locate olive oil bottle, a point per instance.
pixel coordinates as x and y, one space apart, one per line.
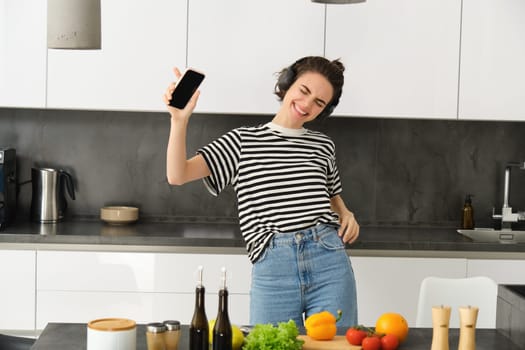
199 331
222 332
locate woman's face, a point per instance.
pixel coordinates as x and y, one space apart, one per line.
306 98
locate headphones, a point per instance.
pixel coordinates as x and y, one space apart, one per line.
288 76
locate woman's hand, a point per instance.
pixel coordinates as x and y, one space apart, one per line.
179 114
349 230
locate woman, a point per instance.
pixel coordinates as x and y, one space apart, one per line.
291 213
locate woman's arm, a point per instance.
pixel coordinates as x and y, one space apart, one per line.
179 169
349 229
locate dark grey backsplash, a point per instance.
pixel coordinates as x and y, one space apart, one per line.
394 171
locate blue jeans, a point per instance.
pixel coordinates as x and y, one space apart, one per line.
302 273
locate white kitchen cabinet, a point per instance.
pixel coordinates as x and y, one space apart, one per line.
392 284
492 83
23 53
141 42
80 286
17 291
501 271
241 44
401 57
82 307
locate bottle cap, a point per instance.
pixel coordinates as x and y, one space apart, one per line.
156 327
172 325
199 276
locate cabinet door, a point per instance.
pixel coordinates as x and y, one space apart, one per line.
492 84
23 53
392 284
241 44
401 57
80 286
81 307
17 291
501 271
139 272
141 42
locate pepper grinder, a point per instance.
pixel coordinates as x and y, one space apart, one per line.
440 325
467 327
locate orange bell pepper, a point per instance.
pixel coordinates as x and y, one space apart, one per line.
321 326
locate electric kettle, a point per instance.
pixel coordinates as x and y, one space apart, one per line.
49 204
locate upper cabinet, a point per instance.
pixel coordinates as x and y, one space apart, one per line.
141 42
241 44
23 53
492 84
401 57
443 59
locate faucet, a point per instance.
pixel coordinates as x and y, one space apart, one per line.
507 216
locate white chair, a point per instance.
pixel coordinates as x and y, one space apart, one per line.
481 292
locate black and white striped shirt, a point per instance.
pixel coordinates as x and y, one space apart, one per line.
283 178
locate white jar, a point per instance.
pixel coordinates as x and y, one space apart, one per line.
111 334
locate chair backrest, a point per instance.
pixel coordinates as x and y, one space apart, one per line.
481 292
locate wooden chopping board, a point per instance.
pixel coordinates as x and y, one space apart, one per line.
338 343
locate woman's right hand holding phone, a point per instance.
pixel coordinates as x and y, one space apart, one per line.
176 113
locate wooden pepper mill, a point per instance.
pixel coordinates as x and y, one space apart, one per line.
440 325
467 327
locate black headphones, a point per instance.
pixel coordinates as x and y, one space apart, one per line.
288 76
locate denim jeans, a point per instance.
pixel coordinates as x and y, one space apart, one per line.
302 273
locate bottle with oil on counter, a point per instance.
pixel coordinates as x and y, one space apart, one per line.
199 331
222 332
467 214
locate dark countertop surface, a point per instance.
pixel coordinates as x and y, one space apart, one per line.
219 236
69 336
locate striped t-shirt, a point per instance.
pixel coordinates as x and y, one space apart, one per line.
283 178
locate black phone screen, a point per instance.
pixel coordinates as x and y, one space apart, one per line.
185 88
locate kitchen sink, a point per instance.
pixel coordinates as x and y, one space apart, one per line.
490 235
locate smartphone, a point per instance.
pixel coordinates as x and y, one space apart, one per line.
185 88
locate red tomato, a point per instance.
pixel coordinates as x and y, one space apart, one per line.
389 342
371 343
355 336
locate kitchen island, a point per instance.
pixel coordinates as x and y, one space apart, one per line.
72 336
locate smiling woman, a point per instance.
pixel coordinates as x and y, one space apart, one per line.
288 188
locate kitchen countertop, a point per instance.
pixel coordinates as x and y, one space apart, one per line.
66 336
223 237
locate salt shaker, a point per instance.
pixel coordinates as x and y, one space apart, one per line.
155 336
467 327
172 335
440 325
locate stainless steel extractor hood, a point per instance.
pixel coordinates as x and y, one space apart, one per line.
338 1
74 24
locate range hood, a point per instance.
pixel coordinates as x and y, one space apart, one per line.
338 1
74 24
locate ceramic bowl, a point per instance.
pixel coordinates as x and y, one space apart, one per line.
119 215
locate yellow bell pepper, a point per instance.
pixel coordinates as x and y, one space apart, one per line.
321 326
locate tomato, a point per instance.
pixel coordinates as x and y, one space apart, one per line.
371 343
355 336
389 342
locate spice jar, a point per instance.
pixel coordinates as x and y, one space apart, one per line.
440 326
467 327
172 335
111 334
155 336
